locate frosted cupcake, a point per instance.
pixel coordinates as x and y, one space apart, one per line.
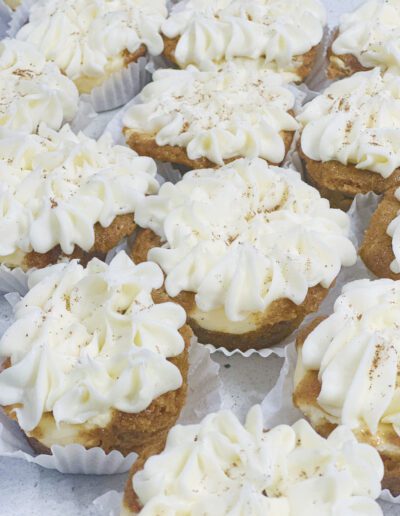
33 91
221 466
282 35
90 40
92 359
350 137
66 195
248 250
204 119
347 370
366 38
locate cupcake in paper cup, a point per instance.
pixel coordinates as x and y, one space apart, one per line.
92 359
100 45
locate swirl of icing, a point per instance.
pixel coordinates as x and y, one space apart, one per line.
356 353
223 467
55 186
234 112
33 91
211 31
280 239
356 121
372 34
84 37
85 341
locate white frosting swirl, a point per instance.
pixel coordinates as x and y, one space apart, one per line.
245 235
33 91
223 467
356 353
235 112
211 31
55 186
372 34
85 341
83 36
356 121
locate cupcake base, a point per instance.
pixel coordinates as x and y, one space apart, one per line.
267 328
302 64
145 145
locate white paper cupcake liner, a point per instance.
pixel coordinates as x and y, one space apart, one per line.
5 18
19 17
120 87
203 396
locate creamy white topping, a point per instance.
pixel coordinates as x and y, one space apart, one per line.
88 340
33 91
235 112
245 235
393 230
356 121
83 36
55 186
211 31
356 353
223 467
372 34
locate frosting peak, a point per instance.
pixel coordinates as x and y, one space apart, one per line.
211 31
223 467
85 341
281 239
237 111
33 91
356 121
55 186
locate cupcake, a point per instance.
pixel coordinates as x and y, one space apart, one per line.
282 35
92 359
366 38
66 195
204 119
221 466
347 370
248 250
350 141
90 40
33 91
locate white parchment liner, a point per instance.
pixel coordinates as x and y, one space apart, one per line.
5 18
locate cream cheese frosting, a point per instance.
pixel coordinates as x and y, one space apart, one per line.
371 33
356 353
55 186
238 111
356 121
245 235
211 31
33 91
223 467
83 36
87 340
